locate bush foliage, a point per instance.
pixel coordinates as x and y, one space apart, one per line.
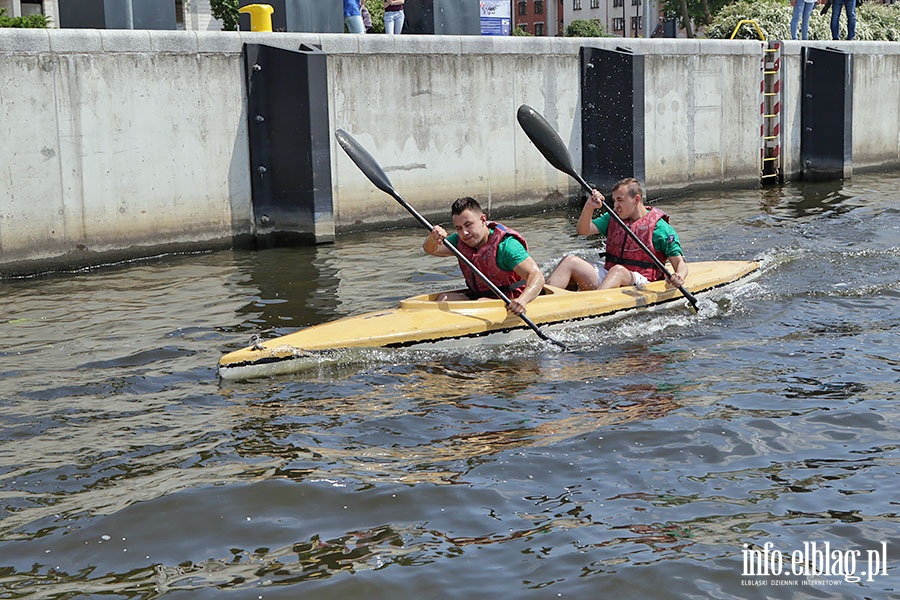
376 11
873 21
28 22
586 28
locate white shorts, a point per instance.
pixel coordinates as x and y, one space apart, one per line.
637 279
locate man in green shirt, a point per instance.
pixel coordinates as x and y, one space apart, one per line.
626 262
497 251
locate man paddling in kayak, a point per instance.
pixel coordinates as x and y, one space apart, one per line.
497 251
626 262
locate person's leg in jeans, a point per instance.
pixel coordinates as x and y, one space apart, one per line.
807 11
354 24
393 22
851 18
836 19
795 17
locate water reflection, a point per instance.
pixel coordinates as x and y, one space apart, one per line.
315 559
406 439
805 199
288 288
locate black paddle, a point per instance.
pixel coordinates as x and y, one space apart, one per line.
542 134
376 175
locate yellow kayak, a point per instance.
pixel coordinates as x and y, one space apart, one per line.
421 320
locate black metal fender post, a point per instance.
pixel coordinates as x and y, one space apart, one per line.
826 114
290 145
612 116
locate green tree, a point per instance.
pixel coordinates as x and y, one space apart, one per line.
227 12
691 12
586 28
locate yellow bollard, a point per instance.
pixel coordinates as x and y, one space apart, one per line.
260 16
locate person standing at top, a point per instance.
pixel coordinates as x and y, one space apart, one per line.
393 16
500 253
850 7
802 10
353 17
626 262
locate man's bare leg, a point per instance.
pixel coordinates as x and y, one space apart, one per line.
617 276
572 269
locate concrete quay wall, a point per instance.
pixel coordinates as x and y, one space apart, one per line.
123 144
117 145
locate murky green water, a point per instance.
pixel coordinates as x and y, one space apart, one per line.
649 462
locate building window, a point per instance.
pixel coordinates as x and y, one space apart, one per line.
538 7
32 7
595 3
636 2
179 14
636 24
523 8
618 24
523 27
576 4
618 3
538 29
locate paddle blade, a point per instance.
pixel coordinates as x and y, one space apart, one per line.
364 161
545 138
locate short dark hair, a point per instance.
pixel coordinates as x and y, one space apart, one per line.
632 187
466 203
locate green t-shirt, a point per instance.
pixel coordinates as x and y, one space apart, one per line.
510 252
665 239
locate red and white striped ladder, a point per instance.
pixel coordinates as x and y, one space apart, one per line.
770 110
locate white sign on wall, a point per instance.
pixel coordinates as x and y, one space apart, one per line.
496 17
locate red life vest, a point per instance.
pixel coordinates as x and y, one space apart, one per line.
622 250
485 260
